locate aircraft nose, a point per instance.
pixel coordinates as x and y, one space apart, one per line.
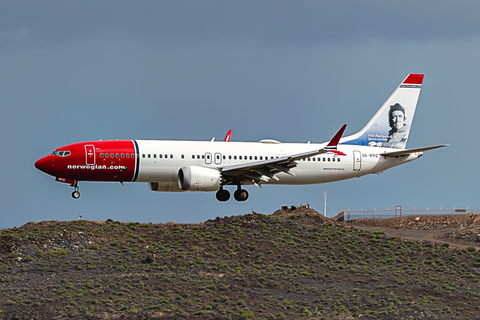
43 164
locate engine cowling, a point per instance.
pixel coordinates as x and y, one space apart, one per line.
164 187
196 178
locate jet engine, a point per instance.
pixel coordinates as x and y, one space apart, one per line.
164 186
199 179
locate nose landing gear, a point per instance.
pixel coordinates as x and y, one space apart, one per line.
75 193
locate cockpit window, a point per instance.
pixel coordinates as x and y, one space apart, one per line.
61 153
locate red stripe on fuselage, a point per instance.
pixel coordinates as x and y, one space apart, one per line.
88 161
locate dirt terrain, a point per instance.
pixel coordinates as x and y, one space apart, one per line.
460 230
292 264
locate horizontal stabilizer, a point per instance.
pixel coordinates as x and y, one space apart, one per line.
410 151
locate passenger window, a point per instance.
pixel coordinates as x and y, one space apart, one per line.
308 159
160 156
143 155
313 159
234 157
328 159
183 156
171 156
166 156
133 156
224 158
149 155
240 157
323 159
111 155
116 155
101 155
338 159
122 155
229 157
106 155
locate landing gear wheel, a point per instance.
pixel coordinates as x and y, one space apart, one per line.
240 195
75 193
223 195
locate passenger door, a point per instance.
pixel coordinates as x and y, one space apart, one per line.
357 160
89 154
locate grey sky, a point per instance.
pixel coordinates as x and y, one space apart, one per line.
291 71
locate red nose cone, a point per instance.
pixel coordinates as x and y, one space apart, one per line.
43 164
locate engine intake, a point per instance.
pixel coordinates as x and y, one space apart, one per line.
196 178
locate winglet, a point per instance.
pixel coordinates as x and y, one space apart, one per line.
332 145
228 137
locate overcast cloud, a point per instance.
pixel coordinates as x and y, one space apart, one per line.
291 71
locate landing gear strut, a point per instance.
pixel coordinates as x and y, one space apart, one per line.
75 193
222 195
240 194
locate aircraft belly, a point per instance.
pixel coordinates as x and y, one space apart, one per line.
157 173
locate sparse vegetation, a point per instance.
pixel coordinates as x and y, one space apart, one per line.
241 267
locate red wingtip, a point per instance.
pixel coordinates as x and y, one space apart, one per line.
228 137
336 138
414 79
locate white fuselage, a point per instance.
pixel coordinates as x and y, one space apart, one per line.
160 160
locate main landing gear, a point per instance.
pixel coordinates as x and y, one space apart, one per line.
239 195
75 193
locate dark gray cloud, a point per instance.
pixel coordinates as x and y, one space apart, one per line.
292 71
260 22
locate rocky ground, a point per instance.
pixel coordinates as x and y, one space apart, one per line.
293 264
460 230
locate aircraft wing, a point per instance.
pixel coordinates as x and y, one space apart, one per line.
264 170
410 151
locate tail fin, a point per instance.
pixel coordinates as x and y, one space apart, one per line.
390 126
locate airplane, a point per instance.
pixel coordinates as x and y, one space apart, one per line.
177 166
